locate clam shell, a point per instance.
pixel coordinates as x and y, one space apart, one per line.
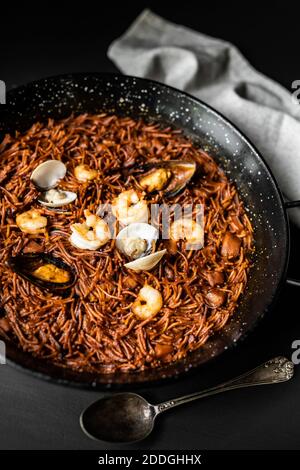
137 230
48 174
70 197
146 262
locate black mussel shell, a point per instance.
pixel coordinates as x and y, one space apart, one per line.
25 264
181 172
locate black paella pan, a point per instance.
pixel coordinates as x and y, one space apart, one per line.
58 97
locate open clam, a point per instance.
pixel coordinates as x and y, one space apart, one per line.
137 242
54 198
44 270
48 174
146 263
46 177
168 176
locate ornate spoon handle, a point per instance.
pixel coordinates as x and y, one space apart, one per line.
276 370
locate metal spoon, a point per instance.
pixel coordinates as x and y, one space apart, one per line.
128 417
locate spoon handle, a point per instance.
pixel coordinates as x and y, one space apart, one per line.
273 371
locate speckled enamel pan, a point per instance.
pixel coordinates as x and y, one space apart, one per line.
60 96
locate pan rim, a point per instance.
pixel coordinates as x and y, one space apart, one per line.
276 289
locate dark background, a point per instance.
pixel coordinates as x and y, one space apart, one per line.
55 38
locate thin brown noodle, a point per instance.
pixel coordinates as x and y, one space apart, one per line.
93 328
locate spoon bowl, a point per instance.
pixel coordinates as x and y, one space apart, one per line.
123 417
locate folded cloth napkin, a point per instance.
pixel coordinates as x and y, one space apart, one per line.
215 71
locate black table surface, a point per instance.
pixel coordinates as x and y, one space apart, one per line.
40 415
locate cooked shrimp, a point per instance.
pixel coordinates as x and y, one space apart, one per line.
148 303
129 207
91 234
84 173
188 230
31 221
156 180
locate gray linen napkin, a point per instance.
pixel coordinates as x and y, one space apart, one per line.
215 71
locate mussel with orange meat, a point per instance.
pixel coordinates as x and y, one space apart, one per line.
169 176
44 270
